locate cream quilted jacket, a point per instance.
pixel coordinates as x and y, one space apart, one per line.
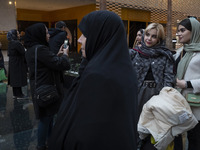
164 116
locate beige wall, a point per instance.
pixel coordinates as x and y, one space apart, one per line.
7 16
75 13
135 15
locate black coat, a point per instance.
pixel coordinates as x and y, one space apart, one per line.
57 38
48 64
100 112
17 69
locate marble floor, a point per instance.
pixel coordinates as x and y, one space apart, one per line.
18 126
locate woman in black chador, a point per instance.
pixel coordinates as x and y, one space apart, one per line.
100 112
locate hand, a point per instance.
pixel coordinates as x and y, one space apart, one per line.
181 83
66 50
63 50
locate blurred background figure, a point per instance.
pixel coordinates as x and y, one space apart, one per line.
138 39
57 36
17 68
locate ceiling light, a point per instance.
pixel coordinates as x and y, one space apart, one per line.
10 3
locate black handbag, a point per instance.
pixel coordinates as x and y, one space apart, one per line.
45 94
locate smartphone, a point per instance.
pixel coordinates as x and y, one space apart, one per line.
65 43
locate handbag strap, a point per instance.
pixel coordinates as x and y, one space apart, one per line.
36 65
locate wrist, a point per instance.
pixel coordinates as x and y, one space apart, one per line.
65 54
186 85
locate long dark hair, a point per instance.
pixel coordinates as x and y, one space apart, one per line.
186 23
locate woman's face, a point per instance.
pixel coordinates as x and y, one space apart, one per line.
151 38
139 36
82 41
184 35
47 35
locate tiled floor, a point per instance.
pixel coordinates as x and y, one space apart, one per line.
18 125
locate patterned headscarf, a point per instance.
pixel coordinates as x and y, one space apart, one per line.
12 35
156 50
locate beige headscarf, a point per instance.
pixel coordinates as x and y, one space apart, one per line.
194 46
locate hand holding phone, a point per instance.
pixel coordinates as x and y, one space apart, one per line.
65 44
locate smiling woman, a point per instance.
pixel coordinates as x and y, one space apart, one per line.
154 66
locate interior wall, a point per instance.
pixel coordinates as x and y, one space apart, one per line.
7 16
135 15
8 20
75 13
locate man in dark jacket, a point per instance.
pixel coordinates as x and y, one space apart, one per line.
57 36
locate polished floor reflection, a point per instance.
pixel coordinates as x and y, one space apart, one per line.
18 126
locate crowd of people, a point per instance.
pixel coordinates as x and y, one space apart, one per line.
103 105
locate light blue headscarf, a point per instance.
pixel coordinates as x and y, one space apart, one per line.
12 35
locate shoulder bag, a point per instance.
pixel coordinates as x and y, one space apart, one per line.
45 94
193 99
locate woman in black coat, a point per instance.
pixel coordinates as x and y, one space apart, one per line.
17 69
48 64
100 111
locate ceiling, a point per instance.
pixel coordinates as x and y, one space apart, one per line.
50 5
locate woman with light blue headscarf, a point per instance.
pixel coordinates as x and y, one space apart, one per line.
17 69
188 72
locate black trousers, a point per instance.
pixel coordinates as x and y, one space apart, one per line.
178 143
194 138
17 91
146 144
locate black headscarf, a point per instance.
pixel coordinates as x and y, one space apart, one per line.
35 35
100 111
12 35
